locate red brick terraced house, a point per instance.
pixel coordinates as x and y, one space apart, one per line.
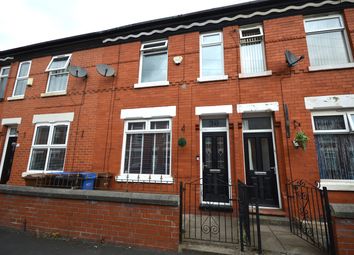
207 96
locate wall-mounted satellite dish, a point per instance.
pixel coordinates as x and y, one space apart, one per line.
105 70
77 71
291 59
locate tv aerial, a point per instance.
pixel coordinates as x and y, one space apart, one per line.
77 71
291 59
105 70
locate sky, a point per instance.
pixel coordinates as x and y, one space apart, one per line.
25 22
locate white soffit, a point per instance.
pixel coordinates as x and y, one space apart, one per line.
329 102
55 117
213 110
11 121
150 112
258 107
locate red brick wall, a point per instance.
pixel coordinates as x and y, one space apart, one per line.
96 134
128 224
344 236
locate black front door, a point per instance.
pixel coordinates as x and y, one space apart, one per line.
215 168
9 156
260 167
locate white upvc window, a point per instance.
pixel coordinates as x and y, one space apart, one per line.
330 122
327 41
153 63
22 79
49 147
252 50
4 75
58 73
147 150
351 120
334 139
211 55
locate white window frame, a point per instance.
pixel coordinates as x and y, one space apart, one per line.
350 64
48 146
52 72
265 72
18 78
350 120
205 78
48 69
151 51
335 184
330 113
1 72
149 178
4 76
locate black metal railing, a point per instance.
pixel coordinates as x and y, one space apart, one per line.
219 212
310 215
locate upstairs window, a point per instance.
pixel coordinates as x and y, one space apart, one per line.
22 79
153 62
147 147
49 147
58 73
252 50
327 41
334 138
211 54
4 75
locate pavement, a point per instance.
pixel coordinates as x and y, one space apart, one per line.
276 239
22 243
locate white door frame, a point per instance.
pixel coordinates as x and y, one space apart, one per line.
5 147
214 130
274 152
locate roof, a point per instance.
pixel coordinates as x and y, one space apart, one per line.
216 18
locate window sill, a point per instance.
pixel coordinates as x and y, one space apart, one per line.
15 98
330 67
254 75
145 178
53 94
213 78
338 185
151 84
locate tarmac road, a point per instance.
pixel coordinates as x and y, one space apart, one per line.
22 243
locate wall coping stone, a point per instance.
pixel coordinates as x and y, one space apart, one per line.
95 195
343 210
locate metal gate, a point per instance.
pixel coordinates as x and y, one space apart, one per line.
310 215
234 221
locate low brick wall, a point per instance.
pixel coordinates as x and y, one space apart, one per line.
343 219
136 219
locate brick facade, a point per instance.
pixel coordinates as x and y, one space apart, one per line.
96 133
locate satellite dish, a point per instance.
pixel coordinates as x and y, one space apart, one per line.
105 70
291 59
77 71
